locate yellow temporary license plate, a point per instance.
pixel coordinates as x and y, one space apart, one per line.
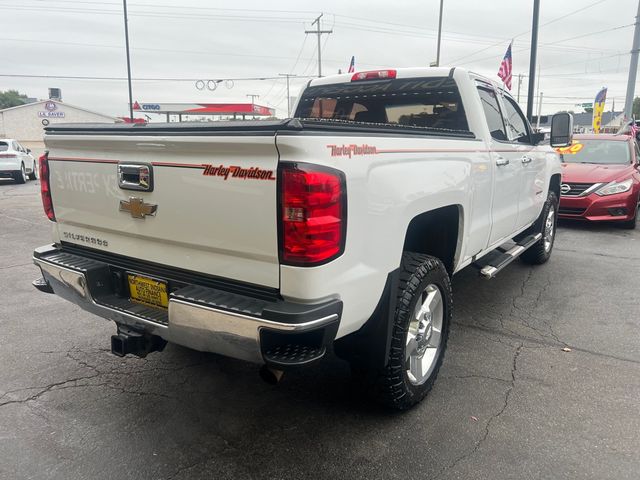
148 291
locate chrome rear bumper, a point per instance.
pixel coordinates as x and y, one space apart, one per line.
198 317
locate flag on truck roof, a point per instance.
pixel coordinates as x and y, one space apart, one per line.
352 65
505 68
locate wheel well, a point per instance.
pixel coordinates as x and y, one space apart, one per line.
554 185
435 233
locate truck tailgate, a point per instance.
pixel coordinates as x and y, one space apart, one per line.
212 208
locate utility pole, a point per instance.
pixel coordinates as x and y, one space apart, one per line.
319 33
539 110
532 58
288 75
126 40
439 34
519 85
633 69
253 97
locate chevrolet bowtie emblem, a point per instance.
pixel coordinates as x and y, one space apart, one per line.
137 208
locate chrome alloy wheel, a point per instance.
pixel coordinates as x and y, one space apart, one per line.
549 229
424 335
23 172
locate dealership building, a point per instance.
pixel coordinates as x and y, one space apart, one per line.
25 123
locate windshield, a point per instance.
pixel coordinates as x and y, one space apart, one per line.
417 102
605 152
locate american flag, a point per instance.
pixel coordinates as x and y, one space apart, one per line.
505 68
352 65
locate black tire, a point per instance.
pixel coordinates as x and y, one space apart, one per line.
392 386
34 173
540 252
20 176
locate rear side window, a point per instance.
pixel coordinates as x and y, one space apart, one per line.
417 102
516 123
4 146
492 113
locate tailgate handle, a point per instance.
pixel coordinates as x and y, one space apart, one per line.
135 176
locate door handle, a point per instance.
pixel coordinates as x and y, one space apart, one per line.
526 159
501 161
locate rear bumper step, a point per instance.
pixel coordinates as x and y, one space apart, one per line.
198 317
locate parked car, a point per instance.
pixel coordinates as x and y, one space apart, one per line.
601 179
16 161
271 241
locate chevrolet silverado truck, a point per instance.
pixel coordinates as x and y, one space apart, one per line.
275 242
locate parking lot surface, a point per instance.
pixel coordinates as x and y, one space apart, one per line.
509 403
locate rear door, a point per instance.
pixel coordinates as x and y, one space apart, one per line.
531 159
504 204
209 204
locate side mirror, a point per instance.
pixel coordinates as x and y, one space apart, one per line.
561 129
28 150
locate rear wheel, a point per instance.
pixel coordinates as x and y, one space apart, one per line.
540 252
34 172
21 175
419 335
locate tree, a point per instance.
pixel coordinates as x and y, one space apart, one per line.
636 107
12 98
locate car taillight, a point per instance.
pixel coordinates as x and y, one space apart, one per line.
373 75
313 214
45 189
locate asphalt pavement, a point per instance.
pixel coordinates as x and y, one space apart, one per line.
509 403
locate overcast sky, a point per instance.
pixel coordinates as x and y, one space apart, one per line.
584 47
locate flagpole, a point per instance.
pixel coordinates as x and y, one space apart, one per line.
533 58
439 34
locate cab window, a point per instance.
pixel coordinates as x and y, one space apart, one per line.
492 113
430 103
515 121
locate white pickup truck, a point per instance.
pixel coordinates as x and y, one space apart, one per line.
275 241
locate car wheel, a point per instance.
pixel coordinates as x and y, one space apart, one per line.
419 334
540 252
21 175
34 172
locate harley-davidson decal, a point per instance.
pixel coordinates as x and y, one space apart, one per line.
350 150
234 171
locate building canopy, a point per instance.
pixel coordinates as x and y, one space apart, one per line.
205 108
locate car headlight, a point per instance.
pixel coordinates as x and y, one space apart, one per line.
612 188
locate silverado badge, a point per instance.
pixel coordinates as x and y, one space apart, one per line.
137 208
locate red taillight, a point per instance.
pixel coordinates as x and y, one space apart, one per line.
373 75
45 189
313 214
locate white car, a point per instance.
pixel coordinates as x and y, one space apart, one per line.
16 161
273 241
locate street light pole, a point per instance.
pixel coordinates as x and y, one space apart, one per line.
533 57
439 34
633 69
126 39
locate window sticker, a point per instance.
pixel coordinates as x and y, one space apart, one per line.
572 149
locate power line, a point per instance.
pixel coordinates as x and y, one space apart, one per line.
528 31
86 77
